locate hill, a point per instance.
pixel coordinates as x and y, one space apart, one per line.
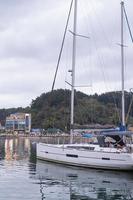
53 109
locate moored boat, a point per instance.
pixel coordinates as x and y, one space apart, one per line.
116 154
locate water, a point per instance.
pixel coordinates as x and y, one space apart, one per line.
23 177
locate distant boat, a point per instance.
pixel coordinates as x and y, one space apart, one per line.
116 155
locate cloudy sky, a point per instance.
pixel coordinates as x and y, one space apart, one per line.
30 38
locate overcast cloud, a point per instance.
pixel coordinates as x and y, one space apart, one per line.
30 38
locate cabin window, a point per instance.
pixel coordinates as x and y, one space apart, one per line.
91 148
72 155
80 147
105 158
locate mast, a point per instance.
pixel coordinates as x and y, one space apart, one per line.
73 70
122 67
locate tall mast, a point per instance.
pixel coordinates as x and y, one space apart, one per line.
73 68
122 66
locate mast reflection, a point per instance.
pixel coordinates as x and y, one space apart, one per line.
83 183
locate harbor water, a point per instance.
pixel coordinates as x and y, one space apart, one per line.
22 176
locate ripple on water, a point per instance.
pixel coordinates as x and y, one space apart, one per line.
23 177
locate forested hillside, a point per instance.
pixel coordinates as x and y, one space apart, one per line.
53 109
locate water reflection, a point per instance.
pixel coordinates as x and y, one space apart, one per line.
17 148
82 184
24 177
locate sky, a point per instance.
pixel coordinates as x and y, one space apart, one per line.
30 40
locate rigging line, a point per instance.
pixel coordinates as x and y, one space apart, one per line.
78 106
66 110
130 106
130 32
62 45
85 61
79 35
116 106
102 60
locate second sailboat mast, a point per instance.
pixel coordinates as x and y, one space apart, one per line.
73 64
122 67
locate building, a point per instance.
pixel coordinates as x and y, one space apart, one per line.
18 122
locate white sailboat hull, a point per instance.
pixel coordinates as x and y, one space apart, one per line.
84 158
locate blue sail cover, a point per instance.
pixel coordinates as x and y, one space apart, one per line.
122 128
87 135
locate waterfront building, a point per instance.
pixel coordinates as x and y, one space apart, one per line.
19 122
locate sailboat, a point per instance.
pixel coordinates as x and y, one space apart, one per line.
116 155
